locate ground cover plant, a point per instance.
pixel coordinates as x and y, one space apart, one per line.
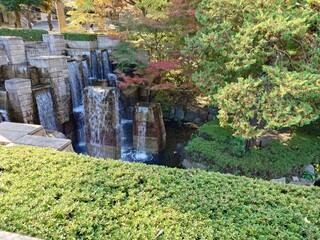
56 195
220 151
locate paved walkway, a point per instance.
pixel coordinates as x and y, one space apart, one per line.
13 236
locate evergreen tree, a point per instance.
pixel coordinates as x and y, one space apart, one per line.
259 60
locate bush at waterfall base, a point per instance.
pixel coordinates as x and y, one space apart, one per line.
215 147
26 34
80 36
57 195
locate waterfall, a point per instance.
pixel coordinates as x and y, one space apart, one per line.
102 122
105 64
96 65
86 73
45 109
75 83
142 130
4 116
79 116
112 79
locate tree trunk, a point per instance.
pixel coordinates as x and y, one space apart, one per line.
29 18
17 23
61 16
49 21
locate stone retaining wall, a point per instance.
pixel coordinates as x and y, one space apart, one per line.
21 105
15 50
53 71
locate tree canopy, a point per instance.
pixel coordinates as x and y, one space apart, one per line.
259 61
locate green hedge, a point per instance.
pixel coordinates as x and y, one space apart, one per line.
220 151
55 195
26 34
80 36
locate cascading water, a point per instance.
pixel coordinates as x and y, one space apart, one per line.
106 67
75 83
45 109
77 80
112 79
86 73
4 116
142 130
96 65
102 122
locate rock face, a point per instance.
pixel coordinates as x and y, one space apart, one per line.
54 72
21 105
3 56
148 128
14 47
56 43
103 136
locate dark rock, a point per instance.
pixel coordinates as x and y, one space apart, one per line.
190 116
317 183
179 114
213 111
197 121
211 117
310 169
203 114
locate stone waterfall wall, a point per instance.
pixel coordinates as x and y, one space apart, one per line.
21 105
155 135
36 49
56 42
15 50
3 56
53 71
19 71
102 122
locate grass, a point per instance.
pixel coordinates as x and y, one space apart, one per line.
220 151
56 195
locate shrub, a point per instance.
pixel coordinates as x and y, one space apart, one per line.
220 151
26 34
57 195
128 58
80 36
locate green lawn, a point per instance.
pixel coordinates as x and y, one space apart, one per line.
220 151
56 195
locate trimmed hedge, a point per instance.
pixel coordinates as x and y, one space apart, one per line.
80 36
220 151
26 34
56 195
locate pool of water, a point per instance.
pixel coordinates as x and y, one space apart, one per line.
176 133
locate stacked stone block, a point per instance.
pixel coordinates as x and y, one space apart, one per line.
155 130
19 71
53 71
3 56
36 50
56 42
103 136
21 105
15 50
3 99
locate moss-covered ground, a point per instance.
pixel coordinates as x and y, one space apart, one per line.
220 151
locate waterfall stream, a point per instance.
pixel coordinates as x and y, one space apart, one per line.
142 130
75 83
45 109
4 116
